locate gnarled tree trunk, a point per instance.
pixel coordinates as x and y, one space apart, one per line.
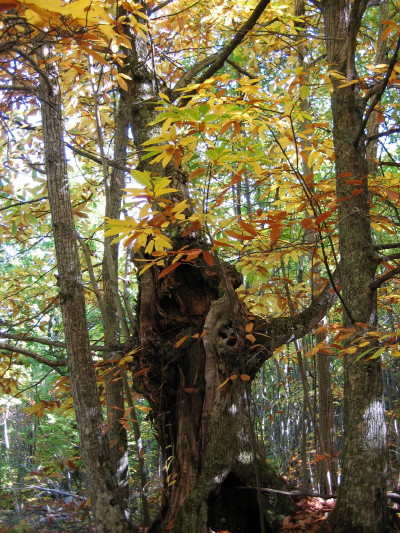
192 339
204 430
199 392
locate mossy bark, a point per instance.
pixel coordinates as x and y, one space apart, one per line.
205 429
361 505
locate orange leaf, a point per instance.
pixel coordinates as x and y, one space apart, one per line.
158 220
239 236
190 390
219 243
192 228
95 55
140 372
322 217
143 408
250 337
275 233
208 258
192 254
320 458
249 326
393 195
247 227
346 174
169 269
245 377
198 172
307 223
125 424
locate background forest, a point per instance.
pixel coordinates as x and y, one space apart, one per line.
199 248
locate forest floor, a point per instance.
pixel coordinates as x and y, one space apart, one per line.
55 516
312 512
46 515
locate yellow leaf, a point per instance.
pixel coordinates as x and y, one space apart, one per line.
51 5
223 383
350 350
352 82
181 341
98 57
121 82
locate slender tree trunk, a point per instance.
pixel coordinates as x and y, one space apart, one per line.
108 515
361 505
328 469
114 182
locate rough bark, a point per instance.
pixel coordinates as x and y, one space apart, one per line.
205 432
364 462
328 467
117 434
94 445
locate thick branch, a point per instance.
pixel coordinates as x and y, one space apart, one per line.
240 69
24 203
46 342
286 329
386 277
189 76
383 134
388 164
159 6
18 88
89 155
387 246
45 489
216 61
95 286
236 41
356 15
34 355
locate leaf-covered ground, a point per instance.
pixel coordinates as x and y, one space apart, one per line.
312 512
46 516
51 516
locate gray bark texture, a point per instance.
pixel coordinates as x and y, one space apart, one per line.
361 505
108 515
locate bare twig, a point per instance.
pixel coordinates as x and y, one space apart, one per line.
383 134
379 94
54 491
